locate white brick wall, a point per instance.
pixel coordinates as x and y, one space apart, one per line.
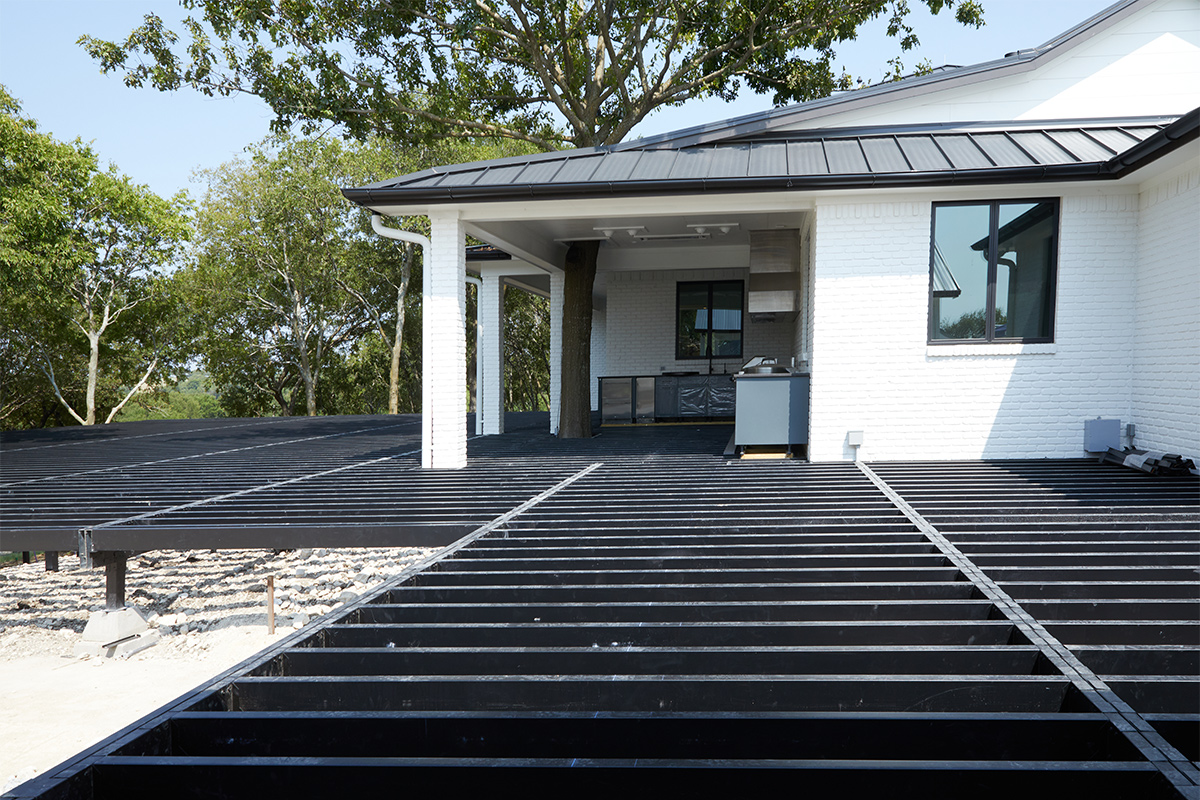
873 371
557 280
444 347
1166 374
491 354
640 336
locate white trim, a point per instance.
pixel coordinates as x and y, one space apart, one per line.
994 349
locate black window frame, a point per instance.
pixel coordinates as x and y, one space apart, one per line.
680 287
993 259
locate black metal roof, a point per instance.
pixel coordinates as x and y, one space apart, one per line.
906 155
663 620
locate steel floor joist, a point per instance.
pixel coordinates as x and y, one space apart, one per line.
653 617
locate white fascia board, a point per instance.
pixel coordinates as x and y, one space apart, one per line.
527 287
504 269
632 208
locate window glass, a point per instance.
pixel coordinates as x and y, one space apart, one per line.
727 344
960 272
992 271
1024 270
709 319
727 306
692 331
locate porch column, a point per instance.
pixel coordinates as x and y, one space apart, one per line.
491 353
557 282
444 346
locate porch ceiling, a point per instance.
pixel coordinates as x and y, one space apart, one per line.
641 241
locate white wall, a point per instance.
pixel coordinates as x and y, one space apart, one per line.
1145 65
873 370
598 354
640 338
1166 374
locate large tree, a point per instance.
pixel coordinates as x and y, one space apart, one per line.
86 255
553 73
273 240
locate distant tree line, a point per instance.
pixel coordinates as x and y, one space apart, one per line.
272 286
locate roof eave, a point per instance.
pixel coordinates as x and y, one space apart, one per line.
773 183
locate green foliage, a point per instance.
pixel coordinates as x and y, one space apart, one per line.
526 351
970 325
86 301
549 72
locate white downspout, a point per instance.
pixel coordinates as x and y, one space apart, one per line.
427 419
478 353
426 356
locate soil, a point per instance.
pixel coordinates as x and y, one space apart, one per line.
209 608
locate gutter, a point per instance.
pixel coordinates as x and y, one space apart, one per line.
1182 131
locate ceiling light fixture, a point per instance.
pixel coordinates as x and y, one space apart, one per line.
722 227
609 230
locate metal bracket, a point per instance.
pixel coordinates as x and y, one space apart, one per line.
84 548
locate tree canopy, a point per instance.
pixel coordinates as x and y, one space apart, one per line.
85 255
553 73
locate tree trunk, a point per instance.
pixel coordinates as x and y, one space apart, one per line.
575 406
93 375
397 349
398 339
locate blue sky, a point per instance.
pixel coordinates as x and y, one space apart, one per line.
160 138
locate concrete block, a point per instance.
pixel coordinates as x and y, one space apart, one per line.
115 633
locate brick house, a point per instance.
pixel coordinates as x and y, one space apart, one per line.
975 261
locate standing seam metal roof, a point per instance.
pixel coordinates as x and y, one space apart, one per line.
832 158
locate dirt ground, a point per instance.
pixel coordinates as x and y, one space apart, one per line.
209 607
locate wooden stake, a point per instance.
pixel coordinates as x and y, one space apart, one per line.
271 604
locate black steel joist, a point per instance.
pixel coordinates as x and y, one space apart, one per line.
656 618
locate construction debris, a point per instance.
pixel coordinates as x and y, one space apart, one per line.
1151 461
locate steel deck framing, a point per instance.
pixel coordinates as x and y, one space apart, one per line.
673 621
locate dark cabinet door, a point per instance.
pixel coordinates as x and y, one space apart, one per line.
666 397
722 397
693 400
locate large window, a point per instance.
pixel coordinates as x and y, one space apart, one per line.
992 271
708 319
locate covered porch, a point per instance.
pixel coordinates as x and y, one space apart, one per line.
841 217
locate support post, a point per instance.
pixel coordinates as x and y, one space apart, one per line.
444 346
490 351
51 561
24 556
114 583
557 283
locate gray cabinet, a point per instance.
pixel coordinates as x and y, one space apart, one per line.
772 410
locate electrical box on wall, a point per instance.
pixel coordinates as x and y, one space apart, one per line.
1101 434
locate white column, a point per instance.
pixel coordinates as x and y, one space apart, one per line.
444 346
557 281
599 355
491 354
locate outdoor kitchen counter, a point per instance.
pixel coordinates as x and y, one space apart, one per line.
646 398
772 409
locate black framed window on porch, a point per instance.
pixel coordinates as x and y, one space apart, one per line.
708 319
992 271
